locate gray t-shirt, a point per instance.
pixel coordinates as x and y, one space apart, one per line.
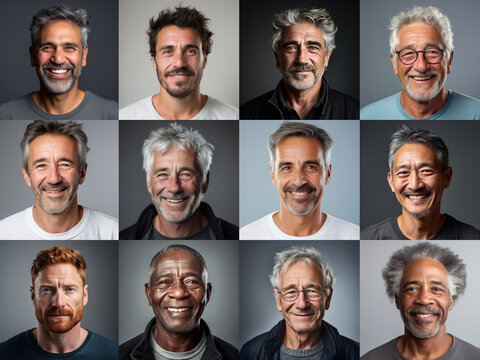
460 350
314 353
92 107
195 354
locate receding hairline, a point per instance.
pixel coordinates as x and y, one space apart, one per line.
168 251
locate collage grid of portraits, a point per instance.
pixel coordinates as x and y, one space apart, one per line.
244 184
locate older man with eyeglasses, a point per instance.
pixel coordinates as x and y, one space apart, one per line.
421 52
302 283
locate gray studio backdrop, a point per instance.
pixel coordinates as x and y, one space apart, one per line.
221 313
101 73
460 199
17 311
257 61
258 196
377 77
99 191
380 320
138 79
258 311
222 193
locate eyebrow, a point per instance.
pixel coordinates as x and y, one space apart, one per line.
67 43
188 46
46 160
307 162
415 282
185 168
406 166
309 42
427 45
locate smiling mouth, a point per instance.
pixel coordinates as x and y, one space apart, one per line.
175 201
178 310
422 78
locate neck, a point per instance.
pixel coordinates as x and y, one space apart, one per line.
424 349
58 223
301 341
177 342
421 229
302 101
420 110
60 343
186 228
58 104
173 108
300 225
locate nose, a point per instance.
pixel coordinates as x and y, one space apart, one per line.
58 300
299 178
53 176
421 64
423 297
178 59
302 302
58 56
301 55
414 181
178 290
174 185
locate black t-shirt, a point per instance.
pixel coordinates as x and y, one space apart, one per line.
452 229
24 347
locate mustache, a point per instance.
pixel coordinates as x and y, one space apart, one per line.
61 186
50 65
426 73
424 309
182 70
295 188
59 312
301 67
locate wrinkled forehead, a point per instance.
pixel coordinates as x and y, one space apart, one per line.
177 263
175 155
424 268
299 147
419 34
303 31
415 151
49 144
172 35
301 272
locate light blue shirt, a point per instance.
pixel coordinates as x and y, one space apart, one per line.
457 107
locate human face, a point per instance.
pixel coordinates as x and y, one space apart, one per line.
59 295
299 174
302 315
53 172
177 291
302 56
179 60
421 80
59 56
418 180
175 184
424 299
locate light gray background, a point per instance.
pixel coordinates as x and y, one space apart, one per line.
377 79
380 320
17 311
137 77
221 313
101 73
258 310
99 191
460 199
258 196
222 193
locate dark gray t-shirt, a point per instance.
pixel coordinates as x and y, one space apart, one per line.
313 353
205 234
460 350
452 229
92 107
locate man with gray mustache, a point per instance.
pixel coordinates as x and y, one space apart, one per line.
300 164
303 41
421 52
425 280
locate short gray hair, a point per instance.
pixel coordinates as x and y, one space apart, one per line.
180 247
316 16
429 15
54 127
309 256
407 135
175 134
78 17
292 128
456 269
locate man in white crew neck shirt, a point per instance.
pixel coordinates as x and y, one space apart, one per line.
300 165
54 165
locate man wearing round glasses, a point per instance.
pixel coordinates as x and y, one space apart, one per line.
421 52
302 283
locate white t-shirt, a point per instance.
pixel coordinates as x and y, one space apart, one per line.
213 110
333 229
93 226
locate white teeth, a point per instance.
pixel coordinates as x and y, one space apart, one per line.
417 197
58 71
174 201
54 191
299 193
423 315
421 77
177 309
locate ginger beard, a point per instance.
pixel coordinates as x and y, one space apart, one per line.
50 319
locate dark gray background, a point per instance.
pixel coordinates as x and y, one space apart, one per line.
377 77
17 311
19 77
99 191
380 319
460 199
258 311
257 61
221 313
222 193
258 195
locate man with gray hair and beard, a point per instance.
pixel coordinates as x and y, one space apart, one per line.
177 162
300 166
303 41
421 52
419 173
58 52
425 280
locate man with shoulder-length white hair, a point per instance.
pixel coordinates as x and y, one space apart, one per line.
177 162
421 52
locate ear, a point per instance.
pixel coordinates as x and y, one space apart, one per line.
147 292
209 292
26 177
85 295
390 182
84 59
32 56
205 186
450 306
274 179
205 58
328 174
278 300
154 63
32 295
83 173
328 299
397 302
448 177
449 64
394 63
327 58
149 186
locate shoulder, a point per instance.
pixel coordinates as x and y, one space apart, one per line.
100 345
13 226
14 345
259 108
341 229
17 108
139 110
127 347
229 230
465 350
254 348
106 225
464 99
216 110
228 351
138 230
460 230
352 348
380 231
385 109
343 104
100 108
385 351
461 107
256 230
